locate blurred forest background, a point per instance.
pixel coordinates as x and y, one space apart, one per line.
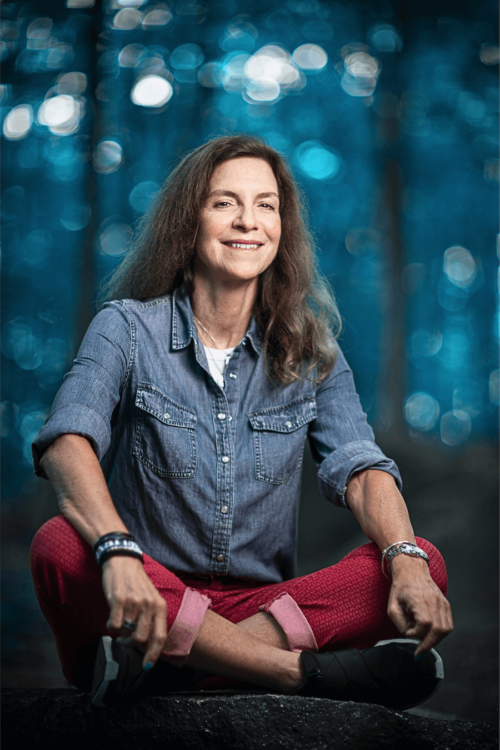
387 111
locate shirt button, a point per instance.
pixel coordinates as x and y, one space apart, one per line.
225 459
166 416
224 509
219 558
288 424
233 375
221 416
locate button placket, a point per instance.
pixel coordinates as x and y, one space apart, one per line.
225 479
225 404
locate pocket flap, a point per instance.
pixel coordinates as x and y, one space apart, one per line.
287 417
152 400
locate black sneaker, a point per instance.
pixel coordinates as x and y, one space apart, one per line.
118 672
120 677
386 674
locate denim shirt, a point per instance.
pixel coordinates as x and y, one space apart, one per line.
206 478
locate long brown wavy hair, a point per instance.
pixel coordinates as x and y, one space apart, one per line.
295 308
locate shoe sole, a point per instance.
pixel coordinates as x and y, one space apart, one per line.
110 672
438 666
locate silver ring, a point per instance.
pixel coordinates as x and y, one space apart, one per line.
129 625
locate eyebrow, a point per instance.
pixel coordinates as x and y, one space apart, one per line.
234 195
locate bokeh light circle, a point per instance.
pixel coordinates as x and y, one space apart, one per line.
361 73
421 411
159 16
187 57
18 122
151 91
310 57
318 161
455 427
127 19
385 38
115 238
426 342
263 89
210 75
61 114
28 352
108 156
459 266
142 194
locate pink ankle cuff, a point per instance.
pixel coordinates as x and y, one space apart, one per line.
287 613
185 627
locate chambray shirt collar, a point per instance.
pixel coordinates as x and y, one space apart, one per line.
184 328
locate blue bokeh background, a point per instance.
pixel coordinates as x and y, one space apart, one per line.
388 113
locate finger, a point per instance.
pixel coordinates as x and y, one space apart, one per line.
419 629
400 613
157 637
130 621
431 639
436 632
140 614
115 618
399 617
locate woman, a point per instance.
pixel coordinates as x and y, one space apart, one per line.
175 444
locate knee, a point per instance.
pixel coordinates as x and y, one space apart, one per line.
437 565
56 545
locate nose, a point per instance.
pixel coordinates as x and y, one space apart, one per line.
245 219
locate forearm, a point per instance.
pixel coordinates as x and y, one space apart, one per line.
382 514
81 490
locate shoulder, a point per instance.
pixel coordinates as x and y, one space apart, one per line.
339 372
131 309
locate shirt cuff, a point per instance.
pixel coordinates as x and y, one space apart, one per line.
337 469
74 420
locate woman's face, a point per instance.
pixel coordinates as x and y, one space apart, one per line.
240 224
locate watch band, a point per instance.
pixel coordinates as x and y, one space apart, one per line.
404 548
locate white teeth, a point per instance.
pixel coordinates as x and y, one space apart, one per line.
243 246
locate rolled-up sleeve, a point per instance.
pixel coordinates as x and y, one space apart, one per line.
85 401
342 441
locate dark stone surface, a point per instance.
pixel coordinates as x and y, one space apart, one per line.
64 719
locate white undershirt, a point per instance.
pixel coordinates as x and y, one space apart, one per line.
217 360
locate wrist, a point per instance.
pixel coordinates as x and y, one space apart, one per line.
405 565
119 561
116 543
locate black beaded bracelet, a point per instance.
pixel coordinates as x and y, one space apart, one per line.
112 535
116 543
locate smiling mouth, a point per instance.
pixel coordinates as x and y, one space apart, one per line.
243 245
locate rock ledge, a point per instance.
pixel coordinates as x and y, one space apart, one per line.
64 719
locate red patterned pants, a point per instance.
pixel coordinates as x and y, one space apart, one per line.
343 606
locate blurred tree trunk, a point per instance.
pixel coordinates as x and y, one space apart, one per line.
392 386
88 272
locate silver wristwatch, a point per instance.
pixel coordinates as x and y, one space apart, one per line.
405 548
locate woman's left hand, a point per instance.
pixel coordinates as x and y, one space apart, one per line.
416 605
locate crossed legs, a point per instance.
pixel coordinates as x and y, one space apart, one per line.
253 632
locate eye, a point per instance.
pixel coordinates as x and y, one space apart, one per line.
268 205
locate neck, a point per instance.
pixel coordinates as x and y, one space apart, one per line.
223 310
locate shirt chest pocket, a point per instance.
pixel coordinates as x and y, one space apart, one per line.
279 434
165 436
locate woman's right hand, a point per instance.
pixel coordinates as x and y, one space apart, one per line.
131 596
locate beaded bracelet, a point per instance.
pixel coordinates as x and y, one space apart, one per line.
116 543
